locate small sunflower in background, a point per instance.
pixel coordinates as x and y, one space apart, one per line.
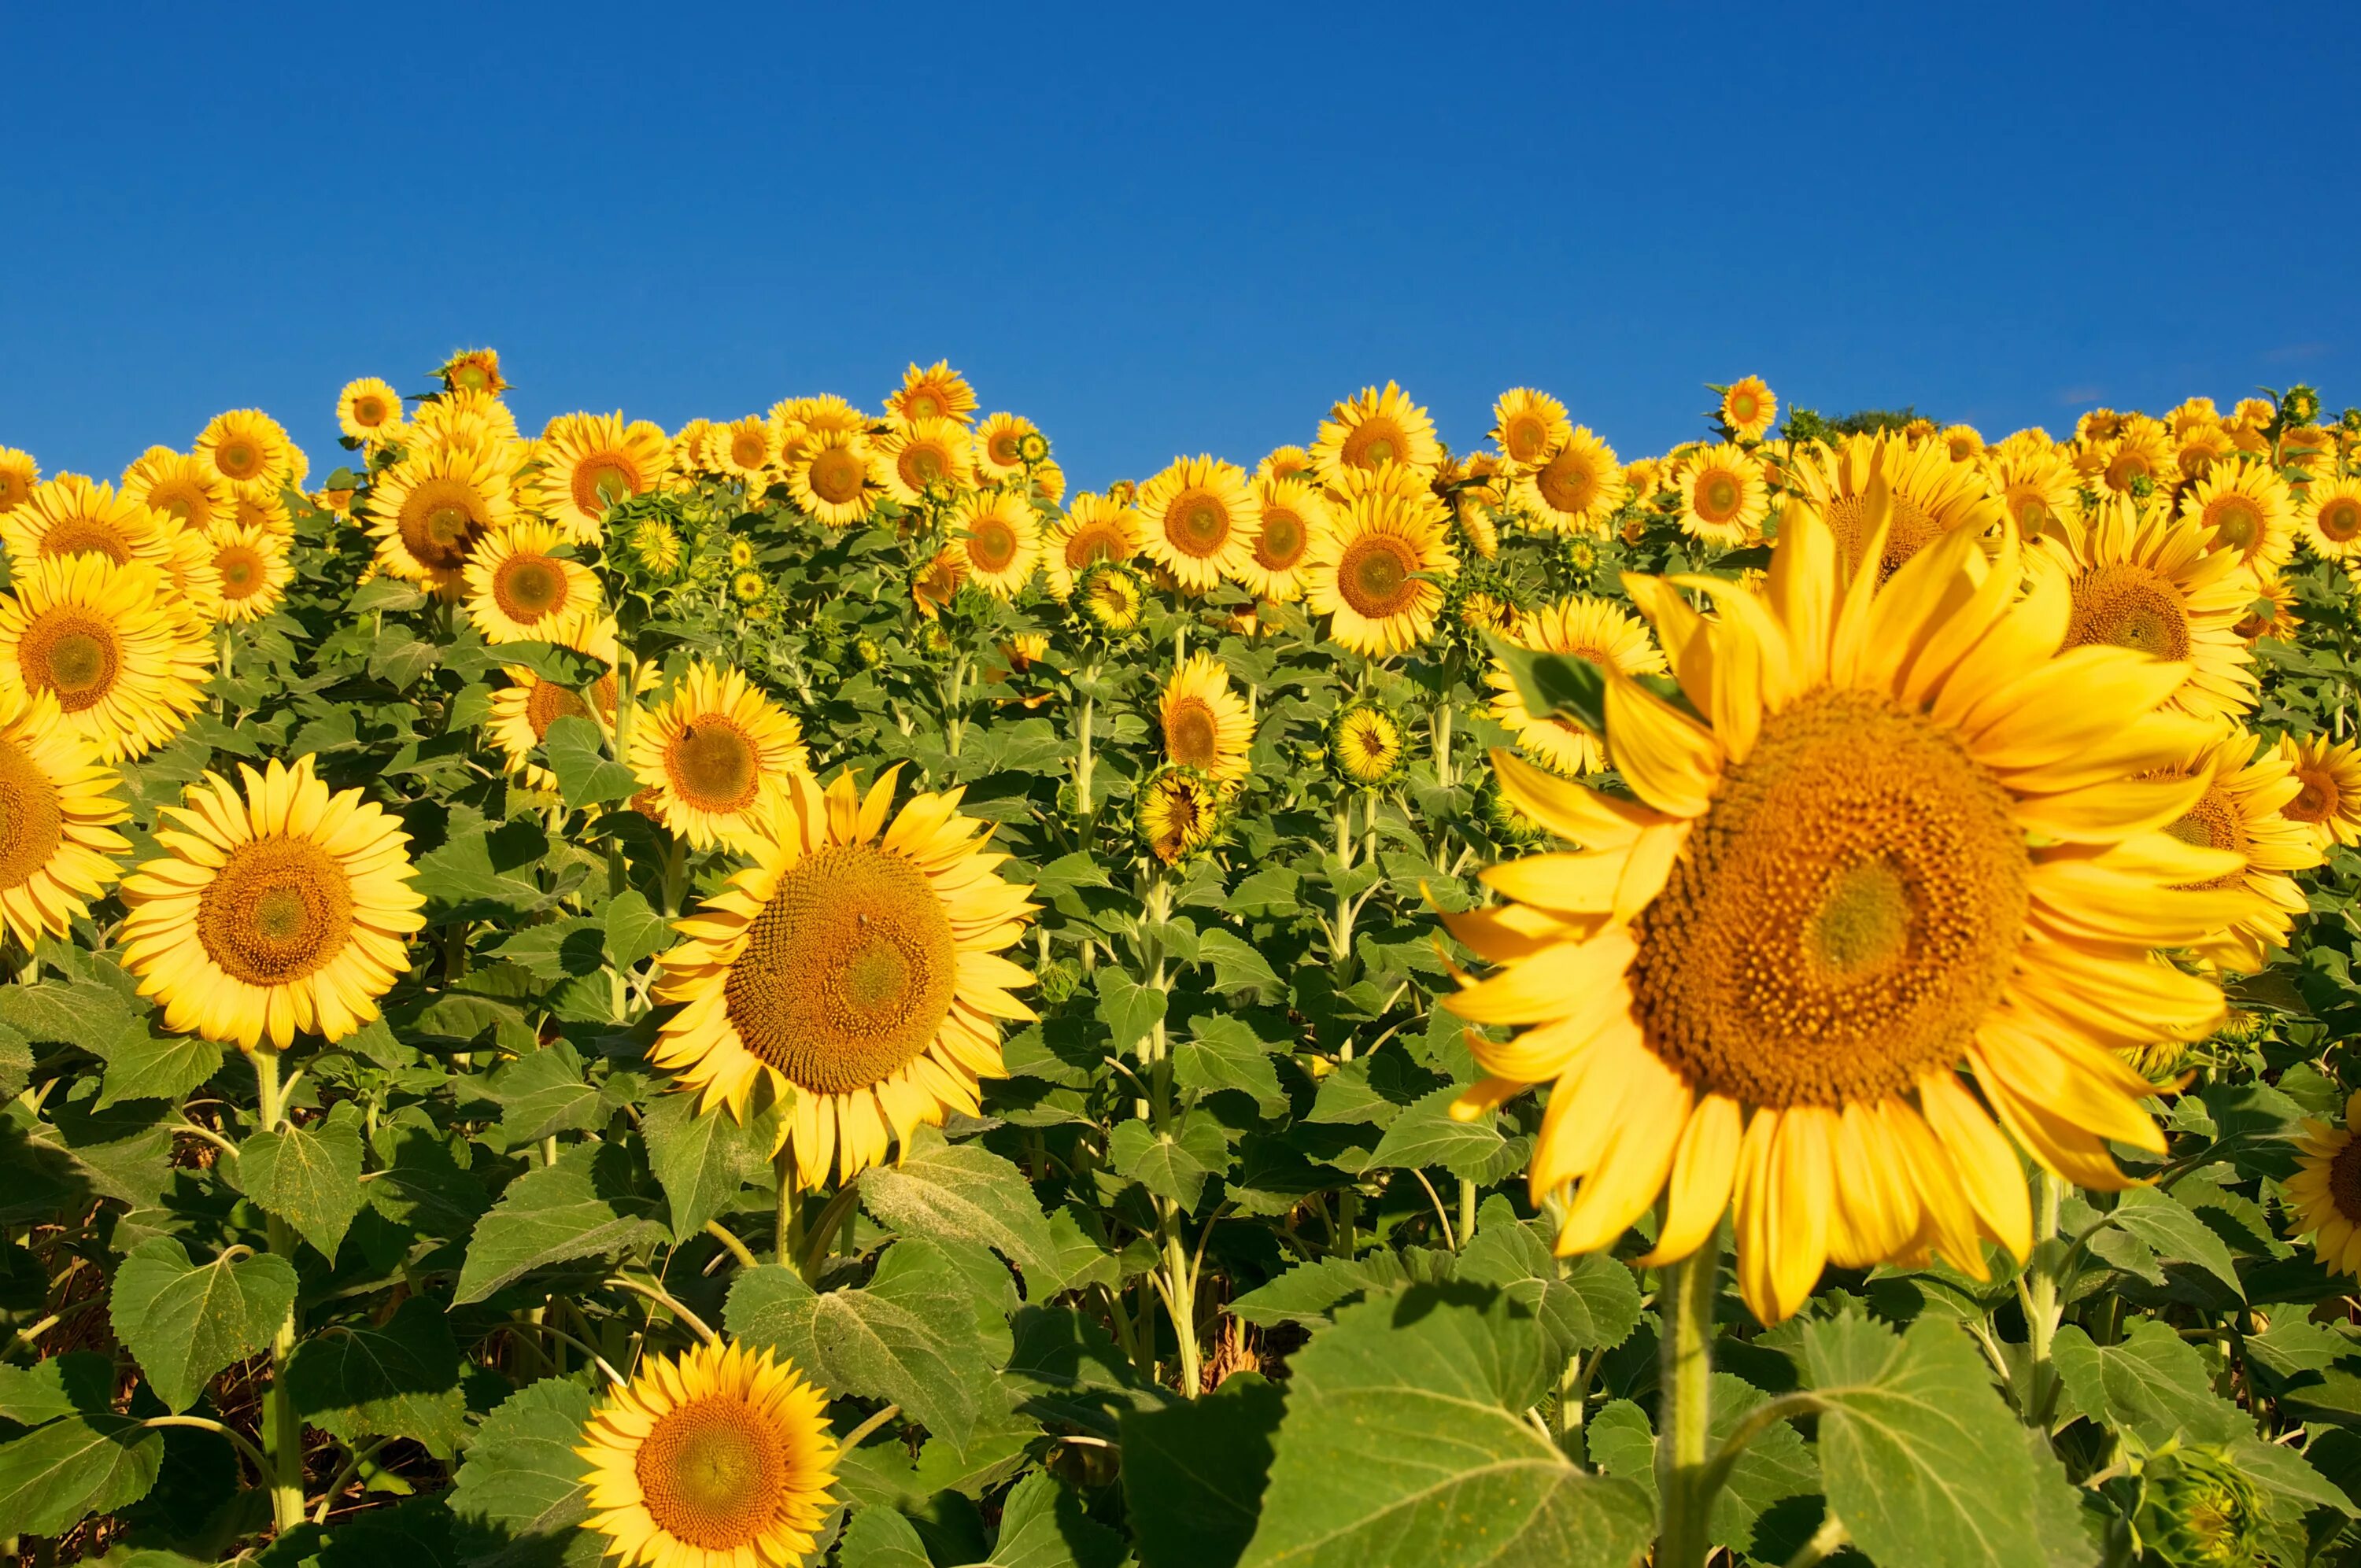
2332 517
1291 517
2247 511
590 463
833 479
1367 746
1375 430
1180 813
523 711
1199 521
2241 812
472 370
718 752
854 968
178 486
2036 488
1748 409
71 515
1374 573
1598 629
368 410
1576 489
1287 462
247 447
1000 446
1927 495
1724 500
2325 1190
924 458
519 589
254 570
939 581
59 804
748 588
106 642
1001 536
1112 598
745 450
1527 426
1094 529
2137 577
2328 788
18 475
428 511
937 392
1205 724
720 1456
279 909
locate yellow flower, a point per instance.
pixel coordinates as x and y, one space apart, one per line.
1206 726
106 643
2036 487
937 392
2139 578
429 511
2247 511
1527 425
743 450
1748 409
18 475
1930 495
465 419
592 462
1861 872
1374 430
1963 441
523 711
1286 463
1594 628
939 583
1366 745
1723 499
2332 517
369 409
720 1458
1179 813
247 446
1290 518
519 589
72 516
1094 529
1373 573
2241 812
182 487
1201 522
1576 488
1111 597
2328 787
280 910
1000 446
1001 538
2141 452
717 753
254 570
922 457
854 968
474 371
58 807
832 478
2325 1190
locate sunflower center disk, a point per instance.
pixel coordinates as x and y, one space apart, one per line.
72 656
992 545
527 587
2237 527
1191 735
1375 576
279 910
848 971
2315 801
439 524
2129 606
241 573
601 483
2213 825
1567 484
713 766
547 703
1849 908
2344 1180
836 476
921 467
2339 520
1719 495
86 536
31 822
713 1472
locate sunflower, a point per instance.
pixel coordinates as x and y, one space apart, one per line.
1111 597
823 416
2202 448
592 462
1367 747
2328 787
106 642
280 910
1963 441
2036 487
2141 453
267 513
1373 574
463 419
1377 429
474 371
523 711
177 485
1179 812
718 754
1527 426
519 588
2325 1190
18 475
1291 517
1906 840
1206 725
924 458
1286 463
937 392
1748 409
2332 517
854 968
1594 628
1049 479
2139 578
71 515
687 448
831 477
430 511
2241 812
1576 488
254 570
368 410
939 581
58 806
1723 498
1001 535
247 446
720 1458
1929 495
1201 522
2271 613
2247 511
1000 446
1094 529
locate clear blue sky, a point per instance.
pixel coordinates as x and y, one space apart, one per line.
1160 230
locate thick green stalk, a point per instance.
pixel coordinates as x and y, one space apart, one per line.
2038 1295
1685 1380
787 1227
282 1432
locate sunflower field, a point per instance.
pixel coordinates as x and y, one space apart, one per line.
791 991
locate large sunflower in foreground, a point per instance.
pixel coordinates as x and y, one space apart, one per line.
1094 529
253 569
2241 812
1201 522
1373 573
519 589
1375 430
720 1458
282 909
429 511
1930 494
58 807
1907 838
592 462
717 754
1597 630
854 968
1575 489
1205 724
108 644
2325 1190
2247 511
2139 578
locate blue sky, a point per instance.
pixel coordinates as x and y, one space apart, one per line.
1159 231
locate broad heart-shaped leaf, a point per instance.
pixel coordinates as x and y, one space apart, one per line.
879 1537
1920 1457
78 1381
1042 1525
1222 1051
963 1192
144 1064
578 1207
703 1160
1312 1291
309 1177
909 1336
400 1380
1777 1466
1405 1446
2153 1383
1063 1367
634 930
587 775
1193 1474
1425 1134
54 1476
1236 964
1595 1307
1174 1163
1128 1008
543 1092
2176 1234
1561 684
520 1496
187 1320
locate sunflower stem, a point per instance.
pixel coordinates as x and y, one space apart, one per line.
2039 1299
1180 1284
1466 1211
1084 761
1685 1381
282 1432
787 1232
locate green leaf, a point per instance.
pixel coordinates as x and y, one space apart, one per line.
1063 1366
1561 684
186 1322
910 1336
555 1213
1174 1163
634 930
483 872
2177 1235
143 1064
1222 1050
1595 1307
703 1160
1425 1134
1236 965
1043 1524
1311 1292
78 1380
1775 1466
308 1176
543 1092
54 1476
1405 1443
1128 1008
878 1537
1919 1455
1193 1474
963 1192
520 1496
587 775
400 1380
2153 1383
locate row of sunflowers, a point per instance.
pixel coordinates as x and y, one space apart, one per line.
795 992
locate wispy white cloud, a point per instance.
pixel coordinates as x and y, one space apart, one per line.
2071 396
2294 353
